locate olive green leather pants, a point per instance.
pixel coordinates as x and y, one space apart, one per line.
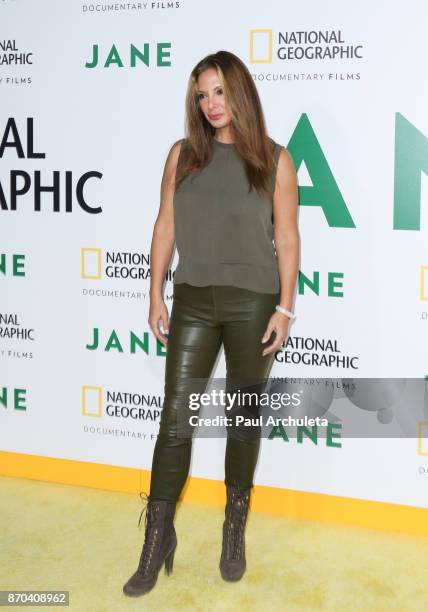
202 319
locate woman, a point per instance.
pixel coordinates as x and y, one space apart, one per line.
228 191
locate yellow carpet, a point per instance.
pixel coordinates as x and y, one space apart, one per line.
86 541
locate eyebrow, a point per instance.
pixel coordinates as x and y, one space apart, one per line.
202 91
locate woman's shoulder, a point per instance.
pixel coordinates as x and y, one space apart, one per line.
276 147
178 145
176 149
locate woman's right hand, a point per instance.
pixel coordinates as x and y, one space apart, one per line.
158 316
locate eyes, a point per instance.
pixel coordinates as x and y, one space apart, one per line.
219 91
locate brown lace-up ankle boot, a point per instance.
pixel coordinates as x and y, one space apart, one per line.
160 542
232 560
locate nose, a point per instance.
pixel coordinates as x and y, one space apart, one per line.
211 103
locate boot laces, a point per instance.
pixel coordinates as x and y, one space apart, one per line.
150 536
236 519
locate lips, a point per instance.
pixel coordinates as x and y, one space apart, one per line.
214 117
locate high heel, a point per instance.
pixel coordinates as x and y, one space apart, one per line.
169 561
160 542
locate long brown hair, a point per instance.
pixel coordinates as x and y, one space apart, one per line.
248 123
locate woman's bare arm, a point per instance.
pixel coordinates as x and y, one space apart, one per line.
163 241
286 233
287 246
163 238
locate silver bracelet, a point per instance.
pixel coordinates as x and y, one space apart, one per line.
285 312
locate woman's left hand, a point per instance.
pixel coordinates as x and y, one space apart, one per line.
279 324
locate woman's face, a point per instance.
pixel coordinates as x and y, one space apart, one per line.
211 99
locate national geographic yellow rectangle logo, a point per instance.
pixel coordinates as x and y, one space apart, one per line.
91 401
260 46
424 283
90 263
423 438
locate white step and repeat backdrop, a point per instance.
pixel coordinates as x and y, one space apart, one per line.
91 99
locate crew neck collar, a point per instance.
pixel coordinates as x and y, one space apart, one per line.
223 144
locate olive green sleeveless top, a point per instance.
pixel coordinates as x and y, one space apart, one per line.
224 235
